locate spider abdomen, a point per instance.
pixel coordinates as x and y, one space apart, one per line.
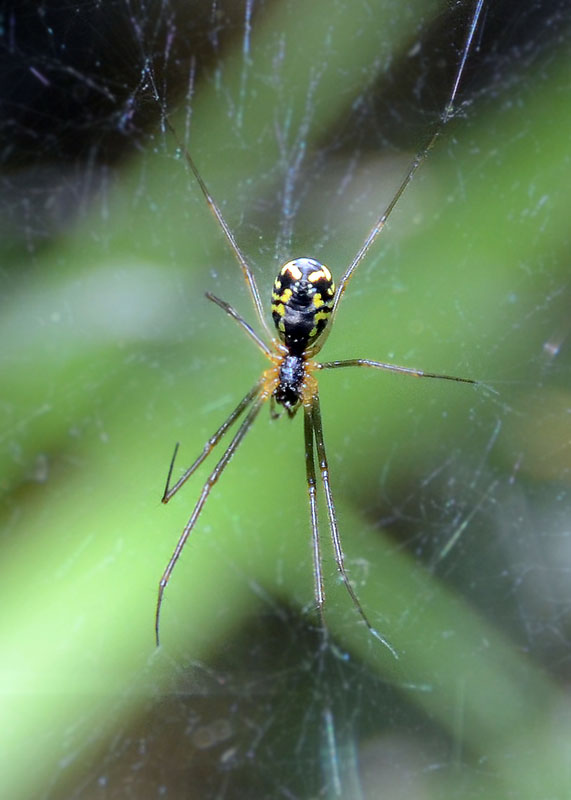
302 299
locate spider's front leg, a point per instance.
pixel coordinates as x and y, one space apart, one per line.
314 433
255 399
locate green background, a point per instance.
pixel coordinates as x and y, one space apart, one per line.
111 354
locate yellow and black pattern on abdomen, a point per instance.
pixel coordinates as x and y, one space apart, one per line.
302 298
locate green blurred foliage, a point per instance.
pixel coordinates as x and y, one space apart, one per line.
111 354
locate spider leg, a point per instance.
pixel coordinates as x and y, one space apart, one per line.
258 401
417 373
312 493
212 205
316 425
415 164
170 491
241 321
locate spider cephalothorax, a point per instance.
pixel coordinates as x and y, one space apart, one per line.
291 375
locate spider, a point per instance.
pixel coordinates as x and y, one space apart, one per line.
304 303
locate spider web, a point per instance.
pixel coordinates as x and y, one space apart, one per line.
453 503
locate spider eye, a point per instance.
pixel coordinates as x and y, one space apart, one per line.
302 299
